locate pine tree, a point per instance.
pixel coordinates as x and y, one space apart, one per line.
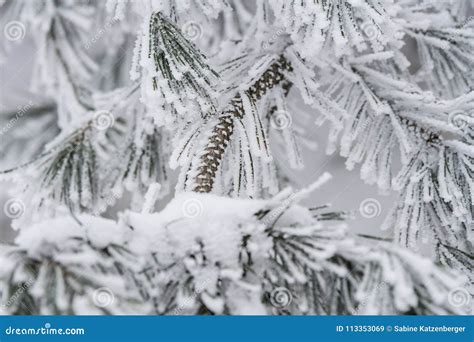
147 108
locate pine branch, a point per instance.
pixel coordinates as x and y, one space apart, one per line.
182 77
47 273
426 134
446 57
346 59
297 258
338 26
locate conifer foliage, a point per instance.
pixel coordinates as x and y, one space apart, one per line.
155 178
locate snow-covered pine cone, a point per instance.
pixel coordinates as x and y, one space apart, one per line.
222 131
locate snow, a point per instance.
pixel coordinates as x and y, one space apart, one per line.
45 238
211 105
190 219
